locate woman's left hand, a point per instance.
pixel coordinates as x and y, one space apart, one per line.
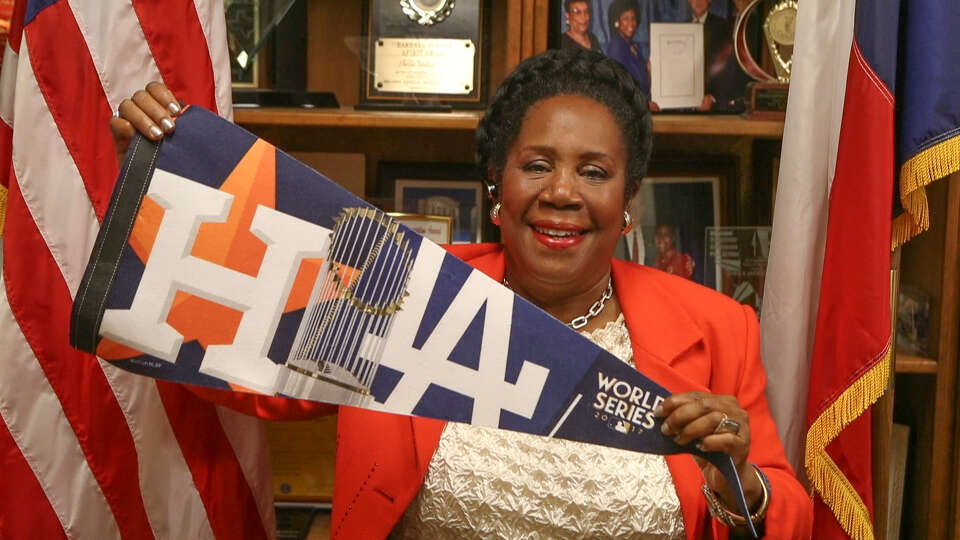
719 424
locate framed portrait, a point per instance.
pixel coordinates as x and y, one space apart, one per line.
451 190
670 216
437 229
661 42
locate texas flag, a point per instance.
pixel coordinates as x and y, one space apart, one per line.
873 112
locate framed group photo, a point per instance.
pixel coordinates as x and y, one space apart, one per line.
680 52
448 190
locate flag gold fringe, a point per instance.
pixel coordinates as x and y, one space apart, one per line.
3 208
827 479
938 161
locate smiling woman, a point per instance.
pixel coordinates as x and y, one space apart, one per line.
563 200
563 147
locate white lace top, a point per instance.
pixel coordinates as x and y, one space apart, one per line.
488 483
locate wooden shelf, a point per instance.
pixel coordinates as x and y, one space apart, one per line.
351 118
467 120
726 124
906 363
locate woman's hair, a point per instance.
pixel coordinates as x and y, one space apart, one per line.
617 8
566 4
565 72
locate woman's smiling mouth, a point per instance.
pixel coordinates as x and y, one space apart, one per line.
558 235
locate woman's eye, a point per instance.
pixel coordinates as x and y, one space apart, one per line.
594 173
537 167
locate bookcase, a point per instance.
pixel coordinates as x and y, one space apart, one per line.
923 389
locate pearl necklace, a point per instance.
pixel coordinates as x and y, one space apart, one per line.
594 310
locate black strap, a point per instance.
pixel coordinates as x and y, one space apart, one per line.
91 299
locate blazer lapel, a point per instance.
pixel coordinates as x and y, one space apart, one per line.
660 331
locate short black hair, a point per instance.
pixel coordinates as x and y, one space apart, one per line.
565 72
566 4
618 8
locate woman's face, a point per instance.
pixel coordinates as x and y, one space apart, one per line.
664 239
563 192
627 24
579 17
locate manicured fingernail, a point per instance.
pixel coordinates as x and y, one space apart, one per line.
700 447
173 107
155 131
658 411
167 124
664 428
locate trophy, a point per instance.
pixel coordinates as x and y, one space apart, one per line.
768 94
425 54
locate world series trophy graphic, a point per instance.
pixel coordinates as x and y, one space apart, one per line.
768 94
358 292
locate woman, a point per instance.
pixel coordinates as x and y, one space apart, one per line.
623 17
578 34
669 258
564 146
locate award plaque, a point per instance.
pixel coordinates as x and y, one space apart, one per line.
768 95
425 54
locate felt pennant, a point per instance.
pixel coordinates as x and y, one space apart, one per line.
223 262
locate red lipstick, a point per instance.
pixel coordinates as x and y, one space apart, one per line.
557 235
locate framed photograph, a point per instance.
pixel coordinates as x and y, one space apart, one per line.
451 190
437 229
621 29
671 215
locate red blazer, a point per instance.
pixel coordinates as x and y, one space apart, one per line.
684 336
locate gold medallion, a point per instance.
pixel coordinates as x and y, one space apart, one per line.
427 12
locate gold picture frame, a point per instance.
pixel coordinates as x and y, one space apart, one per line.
437 229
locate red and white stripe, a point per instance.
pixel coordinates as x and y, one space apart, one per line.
88 450
807 170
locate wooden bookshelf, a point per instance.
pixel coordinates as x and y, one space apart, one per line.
906 363
346 117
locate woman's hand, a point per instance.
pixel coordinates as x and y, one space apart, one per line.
150 111
706 418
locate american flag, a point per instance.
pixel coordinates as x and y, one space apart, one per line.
88 450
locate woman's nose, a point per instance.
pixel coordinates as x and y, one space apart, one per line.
561 189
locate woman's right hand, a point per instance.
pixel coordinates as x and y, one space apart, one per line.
151 111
